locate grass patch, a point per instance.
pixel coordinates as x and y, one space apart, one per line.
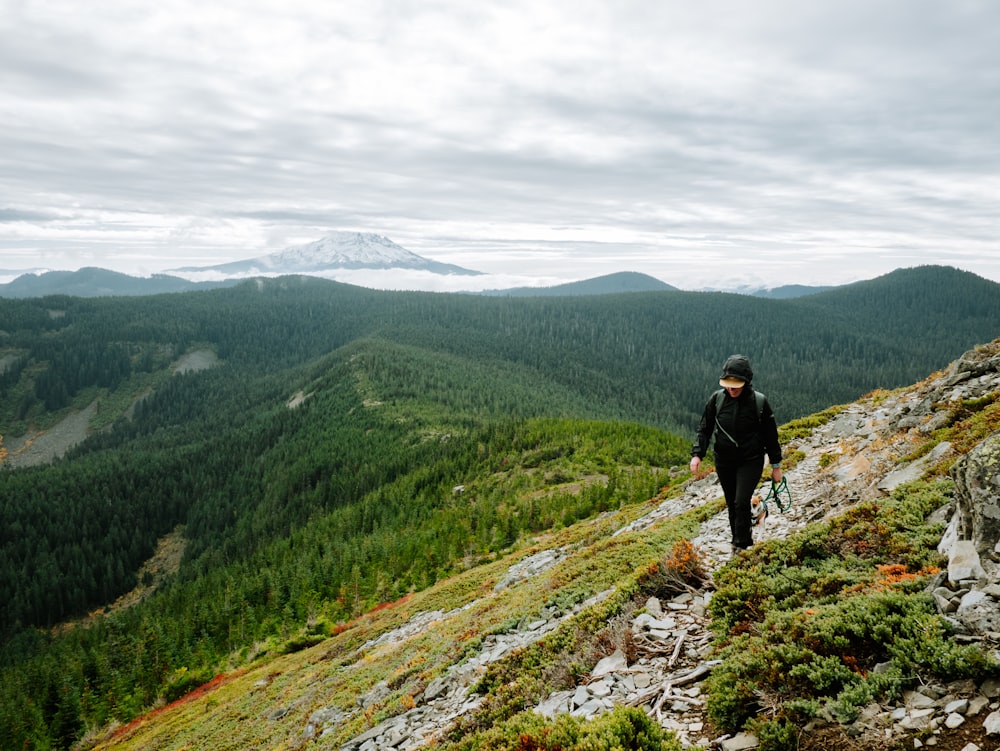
804 426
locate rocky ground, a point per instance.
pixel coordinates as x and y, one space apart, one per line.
853 457
43 446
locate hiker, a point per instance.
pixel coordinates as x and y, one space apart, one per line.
745 429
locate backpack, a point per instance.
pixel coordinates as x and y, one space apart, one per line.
720 396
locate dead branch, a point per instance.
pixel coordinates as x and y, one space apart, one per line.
677 649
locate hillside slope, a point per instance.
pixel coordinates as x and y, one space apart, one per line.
605 615
311 470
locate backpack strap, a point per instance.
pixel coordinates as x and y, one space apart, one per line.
719 396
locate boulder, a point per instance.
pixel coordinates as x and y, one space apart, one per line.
977 495
614 663
740 742
964 562
992 723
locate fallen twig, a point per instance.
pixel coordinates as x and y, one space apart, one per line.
677 649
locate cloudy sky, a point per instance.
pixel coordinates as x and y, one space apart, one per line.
705 143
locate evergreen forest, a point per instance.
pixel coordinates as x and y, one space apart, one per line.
349 446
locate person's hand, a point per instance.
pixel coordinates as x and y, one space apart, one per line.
776 474
695 464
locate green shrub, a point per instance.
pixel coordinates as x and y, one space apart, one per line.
731 688
623 729
302 641
776 735
804 426
803 622
184 681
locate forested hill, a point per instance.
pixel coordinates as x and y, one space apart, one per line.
647 357
310 474
623 281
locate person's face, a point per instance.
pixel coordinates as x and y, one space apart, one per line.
734 391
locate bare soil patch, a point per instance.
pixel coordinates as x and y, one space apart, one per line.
6 361
166 560
43 446
200 359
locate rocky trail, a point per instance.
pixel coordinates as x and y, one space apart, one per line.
853 457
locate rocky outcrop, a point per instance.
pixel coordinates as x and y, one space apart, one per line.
977 497
969 592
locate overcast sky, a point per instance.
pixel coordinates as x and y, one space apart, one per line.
705 143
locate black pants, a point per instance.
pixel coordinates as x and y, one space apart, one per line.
738 481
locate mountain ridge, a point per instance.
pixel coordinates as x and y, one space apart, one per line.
99 282
866 323
389 679
607 284
91 281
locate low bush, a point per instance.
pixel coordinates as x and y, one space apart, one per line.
623 729
804 426
682 569
836 616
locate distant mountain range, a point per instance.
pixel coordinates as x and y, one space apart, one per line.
336 251
633 281
95 282
623 281
785 292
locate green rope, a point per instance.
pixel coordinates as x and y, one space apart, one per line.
780 494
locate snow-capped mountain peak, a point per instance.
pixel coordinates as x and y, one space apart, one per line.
337 250
345 249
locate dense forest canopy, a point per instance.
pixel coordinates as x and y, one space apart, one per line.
648 357
336 418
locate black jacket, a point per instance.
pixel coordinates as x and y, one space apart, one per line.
740 435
